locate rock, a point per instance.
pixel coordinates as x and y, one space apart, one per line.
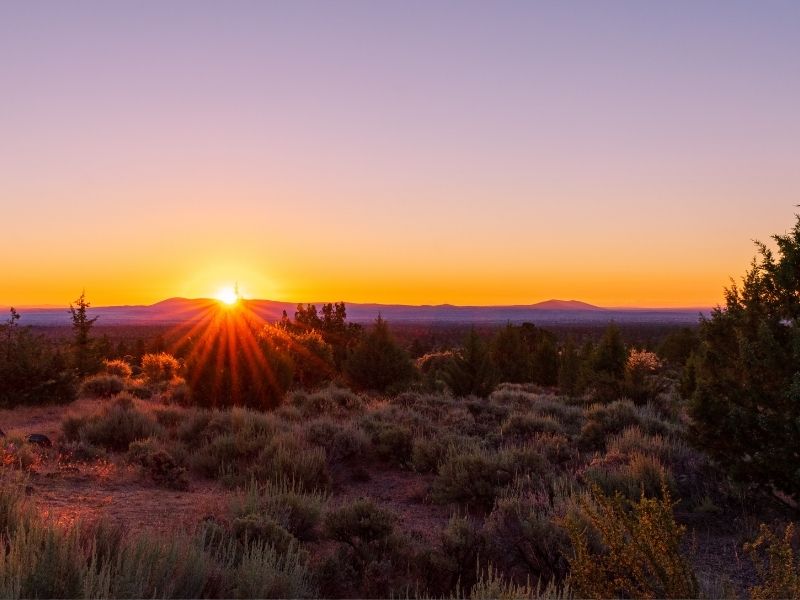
40 440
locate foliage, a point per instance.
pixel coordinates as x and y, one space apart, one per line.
471 372
87 359
237 362
746 404
102 385
377 362
160 368
777 563
639 555
118 367
31 372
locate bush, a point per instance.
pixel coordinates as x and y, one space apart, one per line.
160 368
359 523
777 564
640 550
295 510
113 428
102 385
526 425
159 464
524 540
604 420
118 367
633 476
341 442
477 477
266 572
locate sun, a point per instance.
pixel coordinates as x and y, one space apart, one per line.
228 295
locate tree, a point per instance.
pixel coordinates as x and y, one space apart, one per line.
569 369
377 362
31 370
86 359
511 356
608 365
745 407
471 371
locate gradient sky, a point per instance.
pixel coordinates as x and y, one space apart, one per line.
621 153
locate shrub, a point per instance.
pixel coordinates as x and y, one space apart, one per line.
640 555
604 420
776 562
262 528
295 510
524 539
369 553
633 476
160 368
102 385
159 464
476 477
113 428
266 572
359 523
341 442
118 367
526 425
286 459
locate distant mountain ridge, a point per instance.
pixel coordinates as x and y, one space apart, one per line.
178 310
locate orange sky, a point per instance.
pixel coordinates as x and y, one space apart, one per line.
619 155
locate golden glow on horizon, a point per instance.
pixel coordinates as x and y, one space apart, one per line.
228 296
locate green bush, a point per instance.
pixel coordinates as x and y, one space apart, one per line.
340 441
605 420
476 477
524 539
114 427
102 385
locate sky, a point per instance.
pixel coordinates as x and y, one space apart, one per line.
619 153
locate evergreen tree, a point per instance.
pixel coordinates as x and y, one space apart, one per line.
545 362
377 362
86 359
471 371
608 365
511 356
569 370
746 402
31 371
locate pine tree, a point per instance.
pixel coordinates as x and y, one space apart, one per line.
377 362
471 371
746 402
85 357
